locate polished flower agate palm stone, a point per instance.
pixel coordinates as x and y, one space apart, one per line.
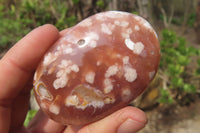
97 67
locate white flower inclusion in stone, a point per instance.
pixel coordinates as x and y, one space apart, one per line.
121 23
90 77
55 109
66 67
108 86
111 71
105 29
137 28
86 23
130 74
126 94
48 59
137 47
125 60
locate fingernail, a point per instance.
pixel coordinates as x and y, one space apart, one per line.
130 126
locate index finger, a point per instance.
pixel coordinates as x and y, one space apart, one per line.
18 64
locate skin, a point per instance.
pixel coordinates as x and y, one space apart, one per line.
16 76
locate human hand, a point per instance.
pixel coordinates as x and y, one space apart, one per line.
16 72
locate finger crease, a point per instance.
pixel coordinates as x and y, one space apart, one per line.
15 64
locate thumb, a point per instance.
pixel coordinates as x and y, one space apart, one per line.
126 120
